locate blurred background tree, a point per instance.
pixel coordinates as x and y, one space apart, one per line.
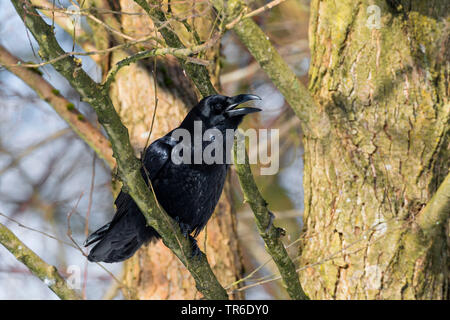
380 69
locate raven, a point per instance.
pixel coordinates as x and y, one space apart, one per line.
187 190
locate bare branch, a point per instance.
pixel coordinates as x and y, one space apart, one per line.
198 73
36 230
271 237
270 234
47 273
265 7
80 53
437 211
182 53
128 165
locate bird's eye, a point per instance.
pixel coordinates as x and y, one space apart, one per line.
217 108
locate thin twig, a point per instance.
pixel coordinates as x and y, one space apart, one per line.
38 231
315 122
128 165
47 273
177 52
86 225
83 128
265 7
77 246
76 53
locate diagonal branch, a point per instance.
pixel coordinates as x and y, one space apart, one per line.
198 73
437 211
128 165
66 110
273 244
47 273
66 23
268 232
181 53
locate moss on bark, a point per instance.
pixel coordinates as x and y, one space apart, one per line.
366 183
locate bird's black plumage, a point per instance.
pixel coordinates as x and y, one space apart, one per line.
188 192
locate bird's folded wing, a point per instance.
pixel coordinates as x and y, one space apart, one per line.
156 156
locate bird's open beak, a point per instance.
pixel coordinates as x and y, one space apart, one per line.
239 99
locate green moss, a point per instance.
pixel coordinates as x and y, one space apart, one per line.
80 117
47 273
56 92
70 106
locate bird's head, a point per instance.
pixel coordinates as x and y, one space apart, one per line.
221 112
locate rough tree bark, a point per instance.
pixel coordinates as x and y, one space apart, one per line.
386 93
154 272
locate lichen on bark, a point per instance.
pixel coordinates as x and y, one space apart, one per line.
366 183
47 273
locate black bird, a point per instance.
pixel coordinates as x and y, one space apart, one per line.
188 192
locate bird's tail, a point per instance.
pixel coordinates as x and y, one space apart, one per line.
118 242
108 250
96 235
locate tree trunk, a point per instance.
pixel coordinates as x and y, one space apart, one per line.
154 272
384 85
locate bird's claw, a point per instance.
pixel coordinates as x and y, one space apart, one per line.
196 252
271 217
186 231
184 227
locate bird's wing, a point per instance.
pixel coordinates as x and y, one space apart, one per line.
156 156
96 235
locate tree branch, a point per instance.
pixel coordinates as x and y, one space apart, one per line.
65 22
437 211
198 73
128 165
65 109
181 53
268 232
273 244
265 7
47 273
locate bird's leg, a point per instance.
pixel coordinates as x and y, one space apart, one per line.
185 228
115 173
271 217
186 231
279 231
195 249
